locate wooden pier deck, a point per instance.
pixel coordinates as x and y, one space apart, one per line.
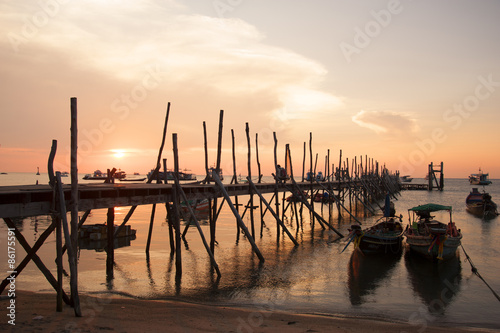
34 200
414 187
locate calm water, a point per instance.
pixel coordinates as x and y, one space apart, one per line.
314 277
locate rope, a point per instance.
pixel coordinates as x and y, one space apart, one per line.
474 270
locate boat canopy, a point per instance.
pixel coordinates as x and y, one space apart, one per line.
430 208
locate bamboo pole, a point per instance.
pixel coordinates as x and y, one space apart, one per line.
110 257
272 211
249 165
276 184
233 149
31 255
240 221
59 302
74 175
71 255
193 215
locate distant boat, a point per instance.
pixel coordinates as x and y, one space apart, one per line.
406 179
183 175
479 178
481 204
212 170
132 179
430 238
98 175
3 173
38 171
64 174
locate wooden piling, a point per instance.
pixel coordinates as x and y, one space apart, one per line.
249 168
71 255
110 249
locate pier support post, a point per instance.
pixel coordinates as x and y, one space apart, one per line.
110 234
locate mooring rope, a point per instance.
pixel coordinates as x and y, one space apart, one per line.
474 270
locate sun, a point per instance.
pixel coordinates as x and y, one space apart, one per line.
118 153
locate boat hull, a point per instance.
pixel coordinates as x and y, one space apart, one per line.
429 246
384 237
381 245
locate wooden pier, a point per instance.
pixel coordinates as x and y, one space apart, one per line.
414 187
348 184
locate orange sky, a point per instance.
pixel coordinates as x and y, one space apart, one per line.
365 77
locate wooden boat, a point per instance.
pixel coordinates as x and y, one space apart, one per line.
384 237
480 204
132 179
296 197
406 179
479 178
196 205
431 238
183 175
98 175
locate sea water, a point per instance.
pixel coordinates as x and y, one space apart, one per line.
314 277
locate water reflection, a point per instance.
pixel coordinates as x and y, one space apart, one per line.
436 283
366 273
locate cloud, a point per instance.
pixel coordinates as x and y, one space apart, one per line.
226 56
388 123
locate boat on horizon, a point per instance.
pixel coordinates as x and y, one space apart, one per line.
406 179
481 204
99 175
479 178
170 175
431 238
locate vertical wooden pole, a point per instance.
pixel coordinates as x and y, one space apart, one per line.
259 180
177 220
74 176
249 155
150 232
71 255
312 176
431 175
57 221
304 162
110 258
237 205
277 203
441 178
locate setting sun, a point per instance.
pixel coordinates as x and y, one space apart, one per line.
118 153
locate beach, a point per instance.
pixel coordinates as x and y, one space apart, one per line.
36 312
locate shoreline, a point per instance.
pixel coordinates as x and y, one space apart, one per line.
37 312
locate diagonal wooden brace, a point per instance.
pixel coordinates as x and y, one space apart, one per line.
31 255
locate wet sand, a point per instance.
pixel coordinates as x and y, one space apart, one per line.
36 312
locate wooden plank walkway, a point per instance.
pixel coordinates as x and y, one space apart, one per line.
33 200
414 187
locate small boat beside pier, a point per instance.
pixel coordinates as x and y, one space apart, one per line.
431 238
481 204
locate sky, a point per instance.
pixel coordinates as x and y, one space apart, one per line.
404 83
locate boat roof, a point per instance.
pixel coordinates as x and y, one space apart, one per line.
430 207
